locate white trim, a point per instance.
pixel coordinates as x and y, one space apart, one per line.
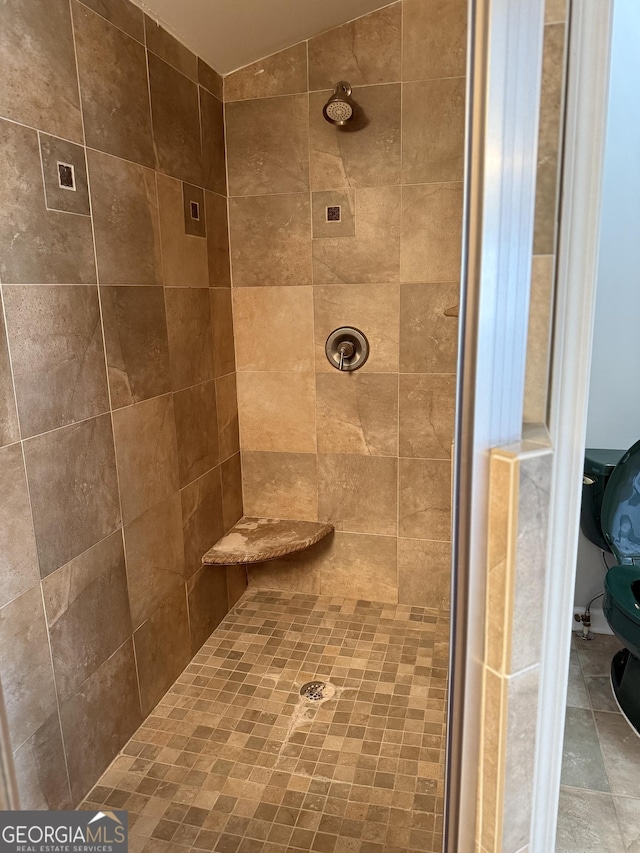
589 50
505 60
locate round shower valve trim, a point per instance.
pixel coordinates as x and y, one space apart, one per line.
347 348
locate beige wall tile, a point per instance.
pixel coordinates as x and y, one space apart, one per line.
94 726
494 733
115 106
25 666
207 599
539 339
434 39
9 431
135 330
87 611
270 242
145 439
361 566
217 240
41 769
170 49
155 557
190 336
37 246
424 496
519 751
202 518
231 472
282 73
503 502
210 79
424 573
358 493
373 255
268 145
227 411
163 648
372 308
553 74
277 411
293 574
364 153
36 45
431 232
427 411
280 485
73 489
357 413
224 359
18 556
213 150
363 51
555 11
236 583
196 430
428 338
176 122
122 14
184 257
346 225
273 328
433 131
57 355
531 558
125 221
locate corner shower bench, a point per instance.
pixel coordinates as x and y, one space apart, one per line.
256 540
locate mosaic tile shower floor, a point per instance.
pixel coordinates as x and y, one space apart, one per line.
234 760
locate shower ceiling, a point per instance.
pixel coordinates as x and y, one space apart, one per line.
231 33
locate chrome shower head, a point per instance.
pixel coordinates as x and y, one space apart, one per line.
339 108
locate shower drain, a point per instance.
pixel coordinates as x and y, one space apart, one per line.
317 691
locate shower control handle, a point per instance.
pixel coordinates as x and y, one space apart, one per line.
347 348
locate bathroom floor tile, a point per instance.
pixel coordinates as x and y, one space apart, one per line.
233 758
582 764
577 695
587 821
620 747
595 655
600 693
628 810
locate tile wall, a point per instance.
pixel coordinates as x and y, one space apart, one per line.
119 454
546 213
369 451
520 480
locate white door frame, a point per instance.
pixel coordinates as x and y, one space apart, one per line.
585 132
505 50
503 96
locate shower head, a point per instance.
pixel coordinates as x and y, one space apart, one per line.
339 108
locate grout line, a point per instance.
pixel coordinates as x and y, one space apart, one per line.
111 23
313 307
107 377
398 295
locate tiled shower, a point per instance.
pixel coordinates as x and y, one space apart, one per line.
369 450
169 274
120 460
163 367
